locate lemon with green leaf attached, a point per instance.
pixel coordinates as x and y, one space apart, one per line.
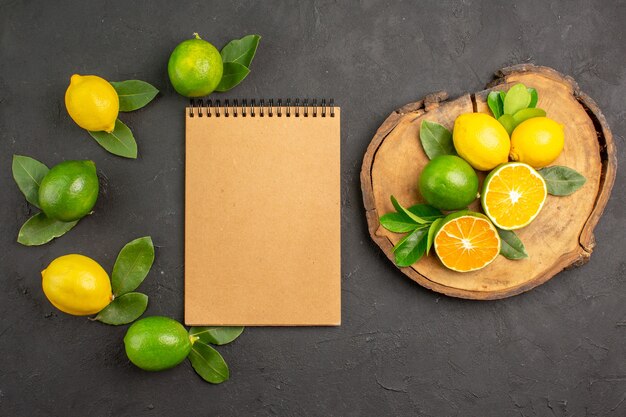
69 190
481 140
157 343
195 67
92 103
77 285
537 142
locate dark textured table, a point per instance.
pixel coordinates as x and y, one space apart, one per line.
558 350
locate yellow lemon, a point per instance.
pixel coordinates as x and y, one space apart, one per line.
537 142
481 140
77 285
92 102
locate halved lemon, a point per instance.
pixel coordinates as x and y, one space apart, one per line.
513 195
466 241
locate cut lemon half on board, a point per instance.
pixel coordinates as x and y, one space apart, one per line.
513 195
466 241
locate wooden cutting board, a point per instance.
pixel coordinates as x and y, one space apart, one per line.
560 237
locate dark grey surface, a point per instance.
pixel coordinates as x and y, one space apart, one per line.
558 350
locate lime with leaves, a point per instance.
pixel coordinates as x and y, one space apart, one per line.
157 343
448 183
195 67
69 190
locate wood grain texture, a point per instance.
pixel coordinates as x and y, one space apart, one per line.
560 237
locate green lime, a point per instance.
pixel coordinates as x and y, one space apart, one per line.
69 190
195 67
157 343
448 183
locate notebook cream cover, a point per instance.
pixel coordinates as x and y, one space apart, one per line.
262 216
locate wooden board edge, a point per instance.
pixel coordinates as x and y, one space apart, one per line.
608 156
569 260
385 128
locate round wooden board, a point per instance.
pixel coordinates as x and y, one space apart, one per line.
560 237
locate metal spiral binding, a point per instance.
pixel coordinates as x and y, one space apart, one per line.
306 108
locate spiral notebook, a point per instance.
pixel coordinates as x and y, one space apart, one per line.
262 213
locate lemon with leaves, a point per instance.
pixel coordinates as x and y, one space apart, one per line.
77 285
481 140
92 103
537 142
69 190
157 343
195 67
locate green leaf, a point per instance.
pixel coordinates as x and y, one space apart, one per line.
241 51
401 223
124 309
425 211
534 98
508 122
526 114
208 363
216 335
561 180
511 246
397 222
40 229
132 265
410 249
517 98
502 97
120 142
401 209
28 173
234 73
134 94
494 101
401 241
436 139
431 234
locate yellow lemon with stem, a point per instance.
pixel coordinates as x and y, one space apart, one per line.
77 285
537 142
481 140
92 103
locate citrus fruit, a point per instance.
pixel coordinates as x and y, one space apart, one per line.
481 140
76 284
448 183
513 194
537 142
156 343
195 67
466 241
69 190
92 102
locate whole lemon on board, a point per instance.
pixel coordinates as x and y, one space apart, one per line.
195 67
537 142
157 343
69 190
481 140
77 285
92 102
448 183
